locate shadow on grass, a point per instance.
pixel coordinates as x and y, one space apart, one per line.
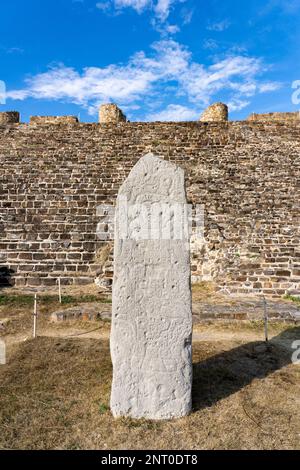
222 375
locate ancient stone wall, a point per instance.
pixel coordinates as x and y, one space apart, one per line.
275 117
247 174
46 120
9 117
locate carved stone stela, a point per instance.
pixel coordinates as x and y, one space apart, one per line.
152 318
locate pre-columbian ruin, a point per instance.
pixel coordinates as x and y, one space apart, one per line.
149 231
49 222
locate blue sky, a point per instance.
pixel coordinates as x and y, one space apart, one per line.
157 59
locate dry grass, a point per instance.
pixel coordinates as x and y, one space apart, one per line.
204 290
54 394
17 310
242 327
54 391
207 292
72 290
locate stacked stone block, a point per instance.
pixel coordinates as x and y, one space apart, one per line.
275 117
217 112
9 117
48 120
111 114
246 174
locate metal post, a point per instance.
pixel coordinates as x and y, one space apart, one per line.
266 320
59 290
35 314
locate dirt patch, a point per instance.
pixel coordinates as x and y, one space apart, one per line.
16 312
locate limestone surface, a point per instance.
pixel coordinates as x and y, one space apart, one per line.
152 319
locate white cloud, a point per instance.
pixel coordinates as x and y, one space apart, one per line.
287 7
11 50
246 89
232 73
18 95
187 15
138 5
210 44
103 6
174 112
94 84
219 26
160 8
152 81
250 88
172 29
165 29
237 104
269 86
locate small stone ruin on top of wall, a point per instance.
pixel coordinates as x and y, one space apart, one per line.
9 117
217 112
111 114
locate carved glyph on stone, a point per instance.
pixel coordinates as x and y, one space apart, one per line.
152 319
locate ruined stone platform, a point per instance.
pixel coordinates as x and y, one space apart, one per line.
231 309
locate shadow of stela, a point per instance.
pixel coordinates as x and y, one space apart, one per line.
226 373
6 277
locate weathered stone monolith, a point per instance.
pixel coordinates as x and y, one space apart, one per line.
152 319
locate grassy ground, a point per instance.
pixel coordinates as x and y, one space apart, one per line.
54 391
292 298
16 309
54 394
27 300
